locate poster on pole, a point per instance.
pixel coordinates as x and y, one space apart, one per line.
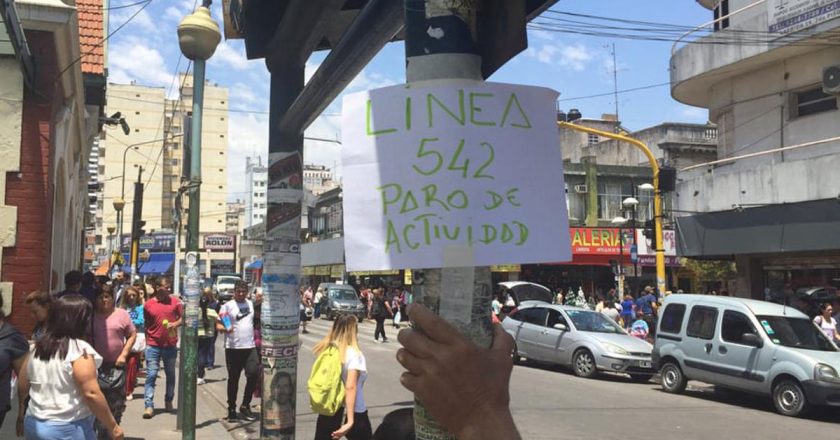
434 168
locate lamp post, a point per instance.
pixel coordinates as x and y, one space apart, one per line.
111 230
630 204
119 203
198 36
620 222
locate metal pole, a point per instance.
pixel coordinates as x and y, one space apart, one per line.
657 195
137 214
621 261
281 263
189 345
636 261
454 55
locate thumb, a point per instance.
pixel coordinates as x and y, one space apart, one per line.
502 341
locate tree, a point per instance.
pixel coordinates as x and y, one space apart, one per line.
711 270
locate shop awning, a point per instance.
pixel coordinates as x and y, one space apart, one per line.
789 227
258 264
157 264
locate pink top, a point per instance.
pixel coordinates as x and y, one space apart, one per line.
110 334
827 327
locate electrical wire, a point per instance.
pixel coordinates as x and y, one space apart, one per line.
599 95
111 8
90 52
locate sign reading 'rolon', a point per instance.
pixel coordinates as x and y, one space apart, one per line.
452 165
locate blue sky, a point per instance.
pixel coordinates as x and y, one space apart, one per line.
146 50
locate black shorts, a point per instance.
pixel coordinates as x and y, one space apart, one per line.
303 316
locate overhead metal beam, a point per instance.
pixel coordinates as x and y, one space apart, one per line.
300 30
375 25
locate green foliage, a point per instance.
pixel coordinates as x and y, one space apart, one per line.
711 270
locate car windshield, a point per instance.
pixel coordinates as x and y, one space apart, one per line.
587 321
226 280
342 294
795 332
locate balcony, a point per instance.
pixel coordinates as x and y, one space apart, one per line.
703 58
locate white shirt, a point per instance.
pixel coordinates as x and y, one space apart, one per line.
242 335
54 394
355 360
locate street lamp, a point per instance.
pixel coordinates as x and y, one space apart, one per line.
198 36
630 204
111 230
619 221
119 203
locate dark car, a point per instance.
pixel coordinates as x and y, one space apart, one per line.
340 299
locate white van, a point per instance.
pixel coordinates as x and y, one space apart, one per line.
747 345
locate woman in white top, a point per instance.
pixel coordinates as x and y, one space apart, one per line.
827 323
60 378
344 335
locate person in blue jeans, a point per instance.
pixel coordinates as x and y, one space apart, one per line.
162 316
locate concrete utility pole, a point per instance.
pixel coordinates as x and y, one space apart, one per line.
440 43
198 36
281 258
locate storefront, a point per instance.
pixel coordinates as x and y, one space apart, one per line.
784 276
596 255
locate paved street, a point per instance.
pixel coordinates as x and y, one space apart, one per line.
547 402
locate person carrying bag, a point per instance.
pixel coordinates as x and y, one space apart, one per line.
336 384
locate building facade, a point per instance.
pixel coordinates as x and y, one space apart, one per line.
769 200
256 187
318 179
45 144
158 142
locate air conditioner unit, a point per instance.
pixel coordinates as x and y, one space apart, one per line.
581 188
831 80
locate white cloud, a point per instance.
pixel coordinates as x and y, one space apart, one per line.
142 22
173 13
232 56
575 57
132 59
248 134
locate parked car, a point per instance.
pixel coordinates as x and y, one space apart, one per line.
341 299
585 340
223 287
750 346
524 291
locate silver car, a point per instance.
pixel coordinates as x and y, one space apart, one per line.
585 340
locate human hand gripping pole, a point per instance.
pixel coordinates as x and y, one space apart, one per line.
463 386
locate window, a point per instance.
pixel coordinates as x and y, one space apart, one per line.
534 315
672 318
701 322
554 317
593 139
610 196
721 10
812 101
734 326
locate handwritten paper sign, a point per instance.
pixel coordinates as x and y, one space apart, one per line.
449 165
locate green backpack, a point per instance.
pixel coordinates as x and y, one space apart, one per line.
326 390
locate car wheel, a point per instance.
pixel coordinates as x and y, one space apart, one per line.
789 398
673 379
517 359
584 364
641 378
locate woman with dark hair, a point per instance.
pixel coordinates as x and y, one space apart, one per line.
38 303
132 302
826 322
60 378
206 333
13 353
113 336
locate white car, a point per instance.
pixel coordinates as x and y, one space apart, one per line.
585 340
